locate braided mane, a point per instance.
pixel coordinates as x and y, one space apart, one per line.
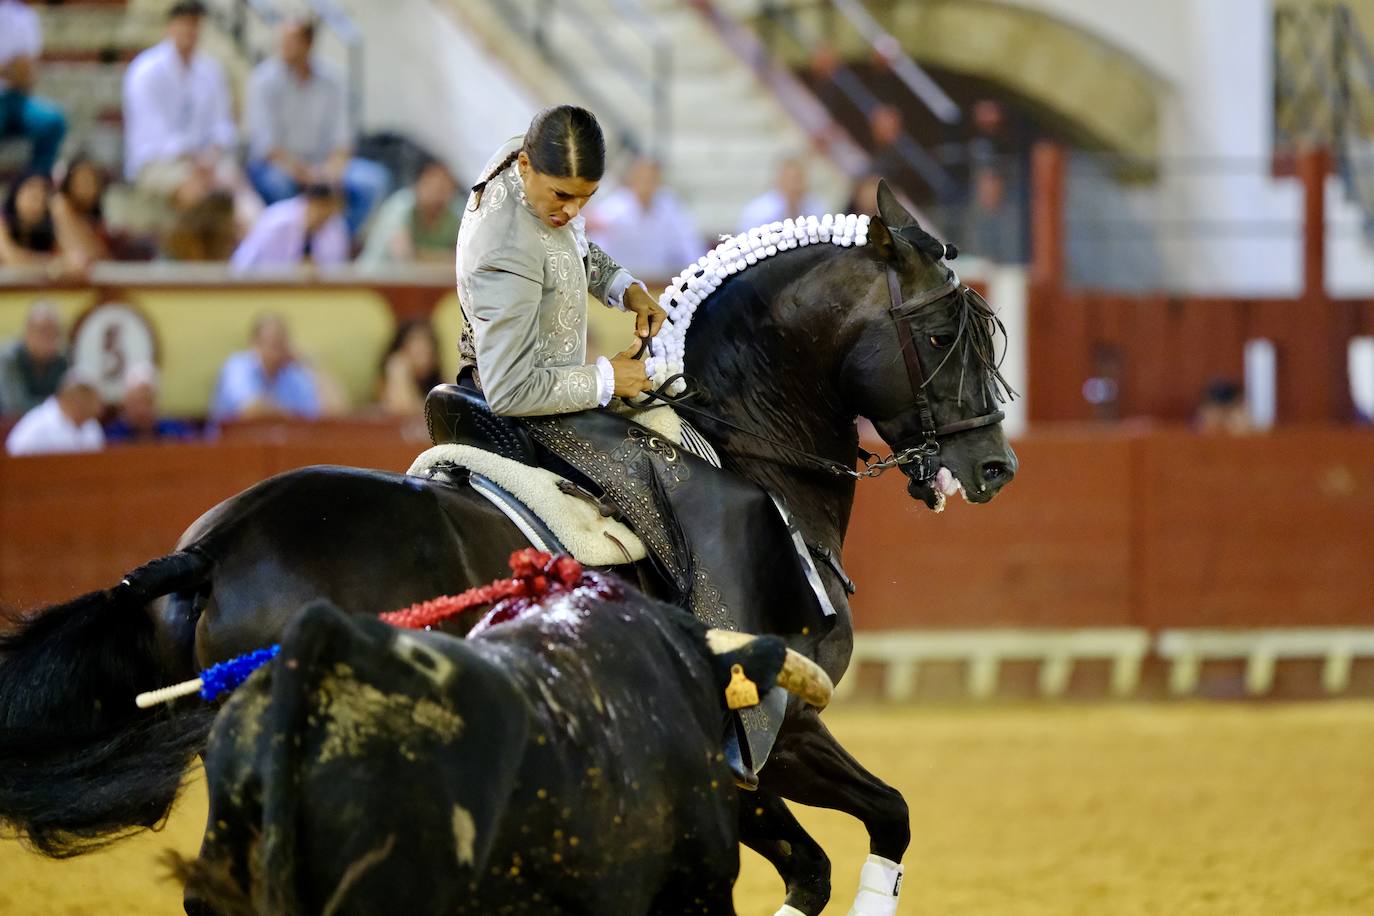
734 254
978 323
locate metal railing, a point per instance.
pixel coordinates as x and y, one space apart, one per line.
798 101
795 21
890 51
648 80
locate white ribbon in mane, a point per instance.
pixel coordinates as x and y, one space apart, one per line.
698 281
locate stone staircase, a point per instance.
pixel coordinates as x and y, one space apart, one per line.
726 130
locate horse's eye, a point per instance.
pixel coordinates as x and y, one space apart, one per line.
941 341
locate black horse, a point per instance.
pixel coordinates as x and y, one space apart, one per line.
789 353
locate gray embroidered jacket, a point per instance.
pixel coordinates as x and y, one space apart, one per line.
523 286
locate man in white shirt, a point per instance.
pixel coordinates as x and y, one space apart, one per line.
65 422
289 233
788 199
299 133
22 114
652 234
178 130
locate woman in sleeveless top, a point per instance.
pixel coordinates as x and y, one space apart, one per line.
525 268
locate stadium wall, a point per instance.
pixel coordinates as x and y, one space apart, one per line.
1102 528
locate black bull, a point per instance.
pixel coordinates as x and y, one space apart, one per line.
567 762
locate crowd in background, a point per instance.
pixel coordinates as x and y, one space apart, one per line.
282 190
296 195
51 406
286 186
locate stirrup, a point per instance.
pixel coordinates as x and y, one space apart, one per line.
745 777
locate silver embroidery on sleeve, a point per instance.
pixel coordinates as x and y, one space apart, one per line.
600 270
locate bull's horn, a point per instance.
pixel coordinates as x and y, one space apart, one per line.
799 675
722 641
805 678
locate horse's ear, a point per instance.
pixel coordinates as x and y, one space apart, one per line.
891 209
886 244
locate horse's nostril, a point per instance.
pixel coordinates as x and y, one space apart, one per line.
994 472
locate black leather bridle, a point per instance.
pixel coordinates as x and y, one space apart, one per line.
920 461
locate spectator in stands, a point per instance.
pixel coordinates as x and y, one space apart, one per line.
78 215
652 234
32 366
418 223
299 132
410 368
863 197
886 129
27 237
992 220
789 198
1223 410
205 232
266 380
138 420
307 228
65 422
21 113
178 131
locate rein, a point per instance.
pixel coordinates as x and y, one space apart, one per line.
922 455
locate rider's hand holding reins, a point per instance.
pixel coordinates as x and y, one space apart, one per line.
649 317
630 377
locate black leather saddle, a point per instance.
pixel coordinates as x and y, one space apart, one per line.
459 413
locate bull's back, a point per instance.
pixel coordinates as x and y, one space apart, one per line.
623 789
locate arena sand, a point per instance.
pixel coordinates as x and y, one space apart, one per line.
1100 810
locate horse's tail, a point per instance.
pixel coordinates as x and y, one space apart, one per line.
80 765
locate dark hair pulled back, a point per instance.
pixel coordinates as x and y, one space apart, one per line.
564 141
40 236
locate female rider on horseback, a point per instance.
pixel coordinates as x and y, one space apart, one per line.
524 271
525 268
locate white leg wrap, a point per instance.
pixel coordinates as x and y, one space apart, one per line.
789 911
880 884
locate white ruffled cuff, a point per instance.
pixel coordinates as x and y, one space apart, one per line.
605 383
615 293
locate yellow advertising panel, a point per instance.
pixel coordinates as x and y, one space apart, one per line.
340 332
14 305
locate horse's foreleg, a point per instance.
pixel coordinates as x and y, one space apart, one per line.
771 830
809 766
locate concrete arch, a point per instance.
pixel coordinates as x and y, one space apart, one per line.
1097 88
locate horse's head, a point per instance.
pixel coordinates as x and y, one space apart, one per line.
922 363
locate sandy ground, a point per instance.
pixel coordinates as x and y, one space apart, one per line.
1103 810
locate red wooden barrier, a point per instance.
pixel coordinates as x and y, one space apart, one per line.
1101 527
1166 348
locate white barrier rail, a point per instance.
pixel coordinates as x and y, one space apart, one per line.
902 653
1338 648
985 650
